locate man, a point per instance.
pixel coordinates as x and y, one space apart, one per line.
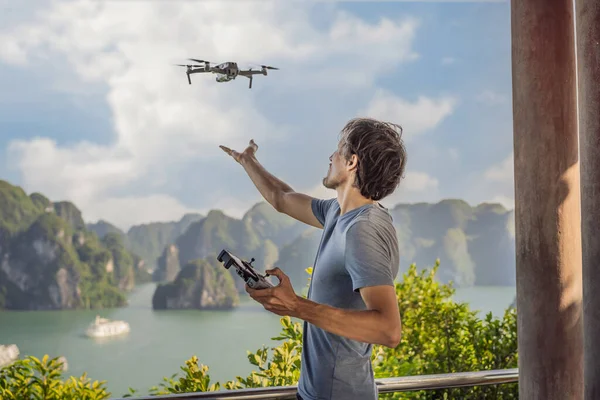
351 302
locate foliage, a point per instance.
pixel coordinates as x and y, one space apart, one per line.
442 336
34 379
18 210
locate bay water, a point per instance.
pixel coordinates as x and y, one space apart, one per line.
161 341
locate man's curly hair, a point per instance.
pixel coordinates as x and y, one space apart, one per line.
381 155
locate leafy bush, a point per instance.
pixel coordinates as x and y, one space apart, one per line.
442 336
35 379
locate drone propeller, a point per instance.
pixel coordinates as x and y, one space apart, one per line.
189 66
200 61
260 65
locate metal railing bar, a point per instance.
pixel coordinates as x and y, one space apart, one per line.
447 381
384 385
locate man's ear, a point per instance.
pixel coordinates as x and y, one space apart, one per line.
352 163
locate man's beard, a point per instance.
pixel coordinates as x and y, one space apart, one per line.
330 183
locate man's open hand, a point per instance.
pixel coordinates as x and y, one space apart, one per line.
237 156
281 299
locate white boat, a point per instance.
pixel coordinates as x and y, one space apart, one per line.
8 354
103 327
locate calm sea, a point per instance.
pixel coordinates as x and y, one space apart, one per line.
160 341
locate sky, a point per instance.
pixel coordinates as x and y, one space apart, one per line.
93 110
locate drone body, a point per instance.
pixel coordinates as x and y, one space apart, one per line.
225 72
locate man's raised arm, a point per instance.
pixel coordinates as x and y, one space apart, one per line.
279 194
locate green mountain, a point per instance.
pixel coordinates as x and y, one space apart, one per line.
271 225
147 240
102 228
474 244
51 261
207 237
258 234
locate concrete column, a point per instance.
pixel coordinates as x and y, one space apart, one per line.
547 201
588 63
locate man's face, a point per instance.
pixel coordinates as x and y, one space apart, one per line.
337 173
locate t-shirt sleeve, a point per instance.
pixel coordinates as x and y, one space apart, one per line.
320 207
368 256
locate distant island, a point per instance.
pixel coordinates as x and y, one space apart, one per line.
52 259
200 284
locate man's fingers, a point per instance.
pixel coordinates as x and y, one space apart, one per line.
225 149
229 151
278 273
274 272
259 293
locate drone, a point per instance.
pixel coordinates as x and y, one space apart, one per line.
226 71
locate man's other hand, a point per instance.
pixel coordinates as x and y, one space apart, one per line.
237 156
281 299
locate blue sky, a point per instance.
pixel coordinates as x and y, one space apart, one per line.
94 112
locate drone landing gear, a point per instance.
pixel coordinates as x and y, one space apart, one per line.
250 85
189 80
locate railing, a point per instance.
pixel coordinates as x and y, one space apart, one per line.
384 385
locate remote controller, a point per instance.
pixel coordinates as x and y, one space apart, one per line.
245 270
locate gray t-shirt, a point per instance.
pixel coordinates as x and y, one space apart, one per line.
357 249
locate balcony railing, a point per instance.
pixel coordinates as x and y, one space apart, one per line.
384 385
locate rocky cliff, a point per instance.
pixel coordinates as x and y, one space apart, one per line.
48 260
168 265
200 284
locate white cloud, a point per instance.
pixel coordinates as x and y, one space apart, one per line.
126 211
12 53
416 186
415 118
453 153
498 183
418 182
321 192
130 46
491 98
78 173
448 60
506 201
502 172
